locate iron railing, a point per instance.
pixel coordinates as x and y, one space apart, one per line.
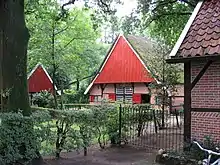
141 126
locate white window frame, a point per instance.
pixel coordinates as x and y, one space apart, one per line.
124 93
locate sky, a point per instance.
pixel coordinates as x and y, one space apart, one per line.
122 10
126 8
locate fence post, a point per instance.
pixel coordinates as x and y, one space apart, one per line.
120 124
155 121
177 120
170 103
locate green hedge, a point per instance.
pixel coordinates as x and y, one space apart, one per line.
52 131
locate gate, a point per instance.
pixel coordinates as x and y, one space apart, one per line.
145 127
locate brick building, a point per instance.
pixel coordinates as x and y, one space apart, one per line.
199 49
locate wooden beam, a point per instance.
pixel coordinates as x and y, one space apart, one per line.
196 58
177 96
102 86
187 103
132 84
205 109
201 73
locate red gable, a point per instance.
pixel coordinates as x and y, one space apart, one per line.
39 80
123 66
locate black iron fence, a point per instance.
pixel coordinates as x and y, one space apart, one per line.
142 126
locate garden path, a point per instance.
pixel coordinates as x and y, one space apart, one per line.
110 156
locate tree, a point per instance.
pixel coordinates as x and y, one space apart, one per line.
165 19
131 24
14 43
168 76
75 51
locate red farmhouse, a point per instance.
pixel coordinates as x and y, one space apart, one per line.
39 80
199 49
123 75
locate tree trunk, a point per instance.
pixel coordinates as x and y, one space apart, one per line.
54 65
13 56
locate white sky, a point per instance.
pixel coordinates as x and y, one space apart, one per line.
126 8
122 10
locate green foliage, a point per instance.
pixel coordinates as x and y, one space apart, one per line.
131 24
53 131
74 96
76 53
165 20
43 99
74 130
18 139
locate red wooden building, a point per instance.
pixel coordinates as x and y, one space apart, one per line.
39 80
123 75
199 49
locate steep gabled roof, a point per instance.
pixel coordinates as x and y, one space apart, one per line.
137 68
35 83
145 48
201 35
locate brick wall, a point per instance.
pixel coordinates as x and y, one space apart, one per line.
206 94
206 124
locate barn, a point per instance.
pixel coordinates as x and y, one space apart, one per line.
198 47
39 80
124 74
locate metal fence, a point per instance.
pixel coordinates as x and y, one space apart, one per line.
142 126
76 106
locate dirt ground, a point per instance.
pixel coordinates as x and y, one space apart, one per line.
126 155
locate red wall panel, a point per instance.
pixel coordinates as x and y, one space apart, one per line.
112 96
123 66
91 98
136 99
39 81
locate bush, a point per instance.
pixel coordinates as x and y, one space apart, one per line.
18 139
44 99
53 131
74 96
74 130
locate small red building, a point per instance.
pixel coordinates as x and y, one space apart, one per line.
199 49
39 80
123 75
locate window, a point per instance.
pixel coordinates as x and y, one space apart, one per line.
158 100
124 93
97 98
120 90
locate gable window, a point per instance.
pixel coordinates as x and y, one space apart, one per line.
124 93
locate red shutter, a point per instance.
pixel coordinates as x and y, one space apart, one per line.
136 98
112 96
91 98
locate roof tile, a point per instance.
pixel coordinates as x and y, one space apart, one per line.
203 37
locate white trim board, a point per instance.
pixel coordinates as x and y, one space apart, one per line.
91 84
48 76
186 29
